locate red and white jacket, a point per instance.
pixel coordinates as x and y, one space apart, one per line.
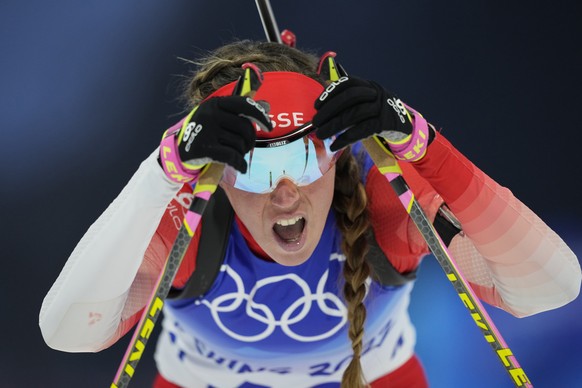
511 258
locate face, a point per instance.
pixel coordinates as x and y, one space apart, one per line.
288 222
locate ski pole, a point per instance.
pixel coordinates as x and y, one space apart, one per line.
385 161
209 178
269 22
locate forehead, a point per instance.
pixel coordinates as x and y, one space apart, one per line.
290 97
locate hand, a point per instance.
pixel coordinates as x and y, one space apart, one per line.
354 109
218 130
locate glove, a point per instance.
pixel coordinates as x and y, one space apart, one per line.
354 109
218 130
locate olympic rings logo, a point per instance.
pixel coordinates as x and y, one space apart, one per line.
327 302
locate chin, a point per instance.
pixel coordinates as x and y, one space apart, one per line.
290 262
291 259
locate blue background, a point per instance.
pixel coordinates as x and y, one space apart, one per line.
87 88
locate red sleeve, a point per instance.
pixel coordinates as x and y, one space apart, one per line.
444 174
448 171
394 231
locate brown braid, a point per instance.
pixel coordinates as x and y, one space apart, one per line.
224 66
350 204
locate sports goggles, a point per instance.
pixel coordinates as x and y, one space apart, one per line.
291 150
299 157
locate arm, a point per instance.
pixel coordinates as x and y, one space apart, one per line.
515 261
85 305
511 257
109 276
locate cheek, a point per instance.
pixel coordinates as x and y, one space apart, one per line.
320 194
326 185
247 206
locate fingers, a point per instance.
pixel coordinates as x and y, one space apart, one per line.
353 109
345 96
350 117
224 134
237 135
343 100
355 133
236 132
234 159
337 88
344 105
247 108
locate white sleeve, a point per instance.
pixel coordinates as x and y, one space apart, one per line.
83 307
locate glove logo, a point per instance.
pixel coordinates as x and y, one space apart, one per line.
192 129
260 105
331 87
398 106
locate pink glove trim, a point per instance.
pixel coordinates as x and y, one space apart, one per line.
170 158
414 149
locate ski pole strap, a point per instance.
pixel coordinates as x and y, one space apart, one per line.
416 144
170 158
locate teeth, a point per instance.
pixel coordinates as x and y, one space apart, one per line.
290 221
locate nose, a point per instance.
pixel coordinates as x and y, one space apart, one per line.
285 195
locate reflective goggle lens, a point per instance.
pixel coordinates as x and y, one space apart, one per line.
300 157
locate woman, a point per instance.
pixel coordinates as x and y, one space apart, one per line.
319 260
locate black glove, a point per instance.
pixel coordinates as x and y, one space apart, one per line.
354 109
221 130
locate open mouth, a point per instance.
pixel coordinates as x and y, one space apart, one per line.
290 230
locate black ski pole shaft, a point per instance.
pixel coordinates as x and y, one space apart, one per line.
268 19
